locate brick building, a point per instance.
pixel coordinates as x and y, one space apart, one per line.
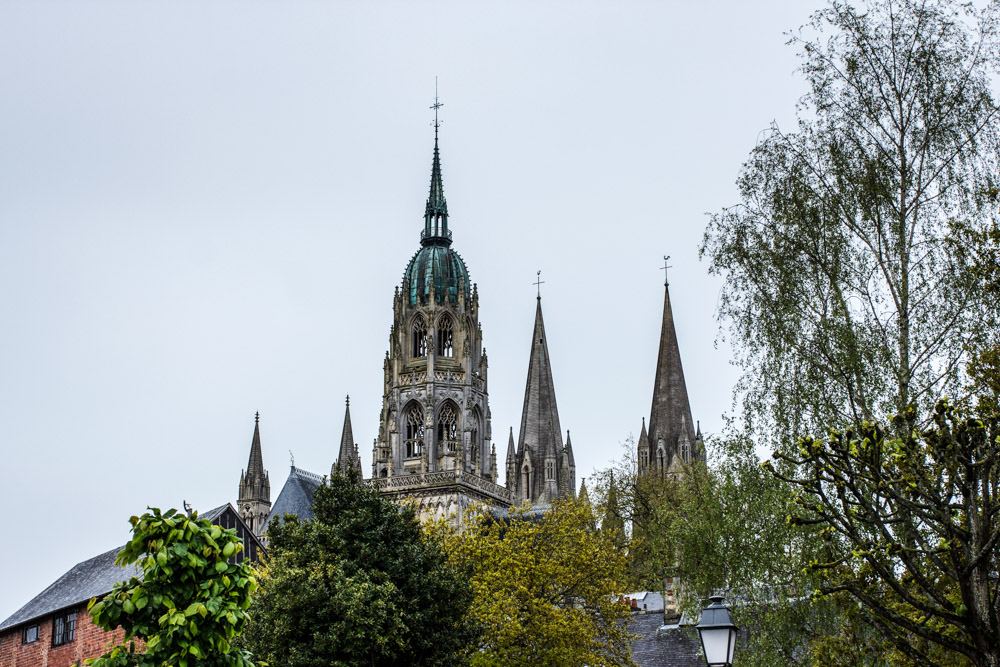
54 628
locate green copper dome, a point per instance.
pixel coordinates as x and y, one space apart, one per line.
440 266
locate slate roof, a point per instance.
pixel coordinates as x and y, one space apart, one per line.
296 496
664 646
82 582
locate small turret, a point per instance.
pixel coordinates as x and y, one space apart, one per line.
348 458
254 499
510 478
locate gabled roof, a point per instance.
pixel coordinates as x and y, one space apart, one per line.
88 579
85 580
296 496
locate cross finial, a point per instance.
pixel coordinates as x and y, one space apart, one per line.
437 105
256 418
666 265
539 282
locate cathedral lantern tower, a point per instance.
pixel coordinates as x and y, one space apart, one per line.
434 444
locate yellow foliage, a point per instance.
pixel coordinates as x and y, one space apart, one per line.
547 589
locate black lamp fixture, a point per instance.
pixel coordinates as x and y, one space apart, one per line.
718 633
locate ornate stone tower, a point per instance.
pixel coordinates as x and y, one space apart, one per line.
254 502
542 468
434 439
672 438
348 458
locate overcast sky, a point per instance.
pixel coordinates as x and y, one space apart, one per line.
205 206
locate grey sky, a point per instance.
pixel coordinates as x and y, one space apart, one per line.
205 206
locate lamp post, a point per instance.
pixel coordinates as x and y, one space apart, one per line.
718 633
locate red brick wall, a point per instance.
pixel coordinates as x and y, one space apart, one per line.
90 642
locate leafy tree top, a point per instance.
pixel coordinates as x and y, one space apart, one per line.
189 604
358 584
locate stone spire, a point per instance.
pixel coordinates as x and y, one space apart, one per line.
254 499
670 422
540 440
567 475
348 458
510 479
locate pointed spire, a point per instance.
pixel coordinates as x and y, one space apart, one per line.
436 211
540 417
670 415
348 457
255 466
584 496
511 456
541 436
569 449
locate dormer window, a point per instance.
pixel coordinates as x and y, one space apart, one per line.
419 338
445 337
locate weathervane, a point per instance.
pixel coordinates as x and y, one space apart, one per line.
539 282
437 105
666 258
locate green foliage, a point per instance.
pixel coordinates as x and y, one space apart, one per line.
546 588
910 522
359 584
190 602
724 528
849 291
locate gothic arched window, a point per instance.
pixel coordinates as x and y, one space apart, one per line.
526 480
550 470
686 451
414 432
643 459
445 337
419 345
474 438
447 429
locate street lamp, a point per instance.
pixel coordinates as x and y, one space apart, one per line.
718 633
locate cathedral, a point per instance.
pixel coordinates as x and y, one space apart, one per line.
434 447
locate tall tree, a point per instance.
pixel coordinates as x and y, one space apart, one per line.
358 584
912 528
837 260
546 588
190 603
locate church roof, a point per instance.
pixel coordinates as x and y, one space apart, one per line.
85 580
540 417
670 415
296 496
